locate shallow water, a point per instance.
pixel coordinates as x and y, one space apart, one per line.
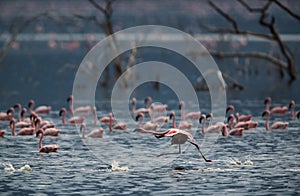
258 163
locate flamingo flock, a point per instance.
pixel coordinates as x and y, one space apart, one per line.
30 121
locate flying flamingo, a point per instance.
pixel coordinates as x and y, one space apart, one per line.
137 111
72 120
82 109
190 115
275 110
182 124
147 125
39 110
217 128
119 125
275 125
2 132
178 137
239 118
292 108
47 148
96 133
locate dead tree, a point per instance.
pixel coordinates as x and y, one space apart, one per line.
266 20
106 10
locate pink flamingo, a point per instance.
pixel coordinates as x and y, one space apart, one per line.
48 130
190 115
47 148
83 109
140 110
106 119
178 137
8 115
275 110
72 120
23 115
96 133
239 118
147 125
155 107
119 125
219 128
23 132
275 125
39 110
245 125
292 108
2 132
182 124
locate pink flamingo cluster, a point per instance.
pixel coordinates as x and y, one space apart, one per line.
28 125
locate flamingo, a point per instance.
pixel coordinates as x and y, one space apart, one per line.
48 130
217 128
182 124
2 132
155 107
39 110
190 115
147 125
239 118
178 137
96 133
275 110
119 125
292 108
106 119
275 125
23 115
23 131
72 120
47 148
137 111
246 125
8 115
83 109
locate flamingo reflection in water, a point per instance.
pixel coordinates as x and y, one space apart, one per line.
178 137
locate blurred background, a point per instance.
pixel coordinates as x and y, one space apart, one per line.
255 44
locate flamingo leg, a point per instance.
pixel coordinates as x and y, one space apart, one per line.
196 145
179 152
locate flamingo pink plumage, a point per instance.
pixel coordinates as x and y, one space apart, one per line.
82 109
275 110
219 128
147 125
190 115
96 133
178 137
39 110
182 124
275 125
137 111
239 118
47 148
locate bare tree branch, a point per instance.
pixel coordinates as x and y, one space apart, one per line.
290 12
266 20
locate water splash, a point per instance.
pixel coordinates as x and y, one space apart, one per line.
10 168
115 167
